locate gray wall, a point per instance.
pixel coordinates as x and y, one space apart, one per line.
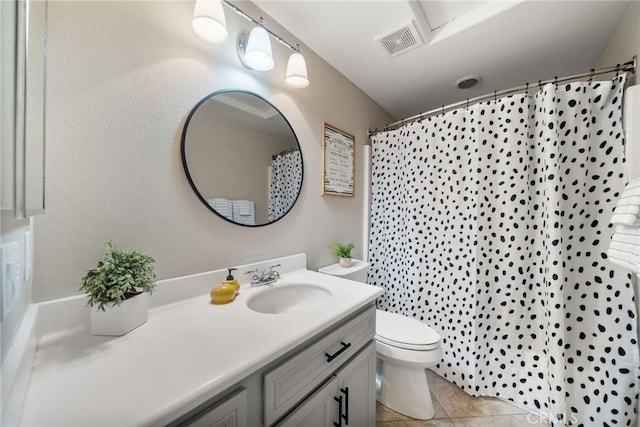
625 42
122 78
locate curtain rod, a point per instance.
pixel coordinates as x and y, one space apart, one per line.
627 66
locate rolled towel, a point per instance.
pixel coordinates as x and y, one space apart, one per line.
619 258
632 239
630 192
625 219
624 229
631 251
222 206
627 209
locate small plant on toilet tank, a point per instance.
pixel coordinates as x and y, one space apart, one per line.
343 251
118 289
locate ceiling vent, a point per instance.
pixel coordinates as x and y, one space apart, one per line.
400 40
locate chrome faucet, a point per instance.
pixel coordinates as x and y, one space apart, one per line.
264 277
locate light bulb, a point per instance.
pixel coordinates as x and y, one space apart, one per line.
209 22
297 71
257 52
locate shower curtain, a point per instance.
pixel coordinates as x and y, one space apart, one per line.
284 183
490 224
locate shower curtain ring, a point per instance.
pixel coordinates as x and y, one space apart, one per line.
617 69
443 109
467 107
495 96
556 82
540 84
593 71
526 89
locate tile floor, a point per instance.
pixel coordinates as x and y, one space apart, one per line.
455 408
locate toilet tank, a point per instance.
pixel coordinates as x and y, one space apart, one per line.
358 270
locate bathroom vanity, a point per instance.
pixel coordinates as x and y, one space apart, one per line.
292 359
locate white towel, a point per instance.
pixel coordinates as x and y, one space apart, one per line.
625 219
222 206
631 190
627 210
624 229
631 209
630 251
632 239
620 259
244 212
624 248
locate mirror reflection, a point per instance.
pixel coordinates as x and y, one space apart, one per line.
242 158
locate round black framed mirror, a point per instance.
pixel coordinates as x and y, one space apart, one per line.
242 158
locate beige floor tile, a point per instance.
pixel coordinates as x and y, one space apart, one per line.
416 423
440 412
386 414
520 420
457 403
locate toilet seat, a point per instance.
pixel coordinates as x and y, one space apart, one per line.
403 332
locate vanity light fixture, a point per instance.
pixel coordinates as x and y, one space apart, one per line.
254 48
209 22
297 71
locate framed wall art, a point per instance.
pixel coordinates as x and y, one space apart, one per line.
338 162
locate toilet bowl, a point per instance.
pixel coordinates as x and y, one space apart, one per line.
405 348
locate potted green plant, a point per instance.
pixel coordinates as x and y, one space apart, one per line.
118 290
343 252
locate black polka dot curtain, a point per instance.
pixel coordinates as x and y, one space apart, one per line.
491 224
284 183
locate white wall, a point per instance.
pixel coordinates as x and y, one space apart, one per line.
625 42
122 77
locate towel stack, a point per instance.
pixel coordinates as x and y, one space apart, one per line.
223 206
244 212
624 249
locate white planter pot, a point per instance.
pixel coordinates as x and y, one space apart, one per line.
118 320
345 262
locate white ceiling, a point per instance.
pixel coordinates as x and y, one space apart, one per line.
507 43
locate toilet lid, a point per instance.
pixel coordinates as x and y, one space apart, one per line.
401 331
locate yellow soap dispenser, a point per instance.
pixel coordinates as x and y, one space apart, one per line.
231 280
225 292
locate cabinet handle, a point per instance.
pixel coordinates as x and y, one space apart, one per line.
330 357
339 423
345 391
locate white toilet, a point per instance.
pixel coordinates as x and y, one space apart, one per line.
405 347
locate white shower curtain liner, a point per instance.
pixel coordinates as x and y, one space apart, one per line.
490 224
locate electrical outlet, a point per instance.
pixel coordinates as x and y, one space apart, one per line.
10 276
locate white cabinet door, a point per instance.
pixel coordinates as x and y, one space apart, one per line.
319 410
356 388
286 385
347 400
231 412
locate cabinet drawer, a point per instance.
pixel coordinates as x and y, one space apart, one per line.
231 412
295 378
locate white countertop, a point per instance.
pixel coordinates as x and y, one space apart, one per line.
185 354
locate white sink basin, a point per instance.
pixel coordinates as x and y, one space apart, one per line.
286 297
